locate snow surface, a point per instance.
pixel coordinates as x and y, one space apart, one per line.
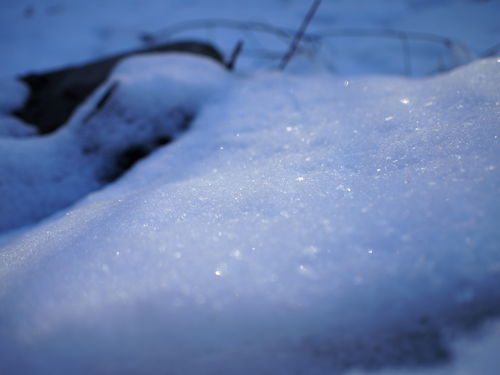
12 95
153 97
305 223
302 225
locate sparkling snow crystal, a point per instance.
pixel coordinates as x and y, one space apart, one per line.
301 225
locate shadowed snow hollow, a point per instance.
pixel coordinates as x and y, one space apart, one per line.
303 225
146 102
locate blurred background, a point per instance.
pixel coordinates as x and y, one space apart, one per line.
406 37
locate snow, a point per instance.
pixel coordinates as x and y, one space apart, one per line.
154 96
474 355
12 96
297 217
313 221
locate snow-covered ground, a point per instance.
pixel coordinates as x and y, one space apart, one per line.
319 221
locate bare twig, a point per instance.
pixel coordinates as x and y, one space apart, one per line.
214 23
234 55
404 36
458 52
410 35
298 36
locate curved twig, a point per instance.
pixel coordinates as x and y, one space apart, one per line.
285 34
214 23
299 34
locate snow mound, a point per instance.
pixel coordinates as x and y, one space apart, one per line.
145 103
12 95
303 225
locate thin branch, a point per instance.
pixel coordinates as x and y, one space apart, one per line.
217 23
234 55
392 33
300 33
452 46
285 34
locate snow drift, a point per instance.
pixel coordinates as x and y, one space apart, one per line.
141 107
302 225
